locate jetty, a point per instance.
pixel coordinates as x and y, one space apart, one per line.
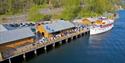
23 42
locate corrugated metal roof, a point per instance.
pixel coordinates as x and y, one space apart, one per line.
16 34
58 26
2 28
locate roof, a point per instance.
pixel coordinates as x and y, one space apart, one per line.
58 26
16 34
92 19
2 28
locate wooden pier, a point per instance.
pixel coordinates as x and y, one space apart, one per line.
23 52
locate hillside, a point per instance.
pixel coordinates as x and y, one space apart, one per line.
37 10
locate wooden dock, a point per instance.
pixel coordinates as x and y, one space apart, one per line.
21 51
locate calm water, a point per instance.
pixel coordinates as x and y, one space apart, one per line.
108 47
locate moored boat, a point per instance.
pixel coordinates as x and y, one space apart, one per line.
101 25
98 25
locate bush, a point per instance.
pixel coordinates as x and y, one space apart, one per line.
70 13
88 13
34 14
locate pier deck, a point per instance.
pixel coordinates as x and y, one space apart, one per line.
33 47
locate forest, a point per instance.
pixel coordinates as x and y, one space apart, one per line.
70 9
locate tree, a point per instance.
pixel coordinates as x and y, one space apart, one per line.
71 8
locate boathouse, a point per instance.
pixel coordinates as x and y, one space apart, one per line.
12 39
49 30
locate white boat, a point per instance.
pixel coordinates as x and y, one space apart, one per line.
100 28
97 28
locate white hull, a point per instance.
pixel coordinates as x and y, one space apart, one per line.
99 30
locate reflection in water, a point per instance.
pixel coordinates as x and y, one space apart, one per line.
96 40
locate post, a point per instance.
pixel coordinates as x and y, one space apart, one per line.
35 52
45 49
53 45
71 38
60 42
24 56
66 40
9 60
87 33
1 58
81 34
76 36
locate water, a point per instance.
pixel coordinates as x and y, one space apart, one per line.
108 47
